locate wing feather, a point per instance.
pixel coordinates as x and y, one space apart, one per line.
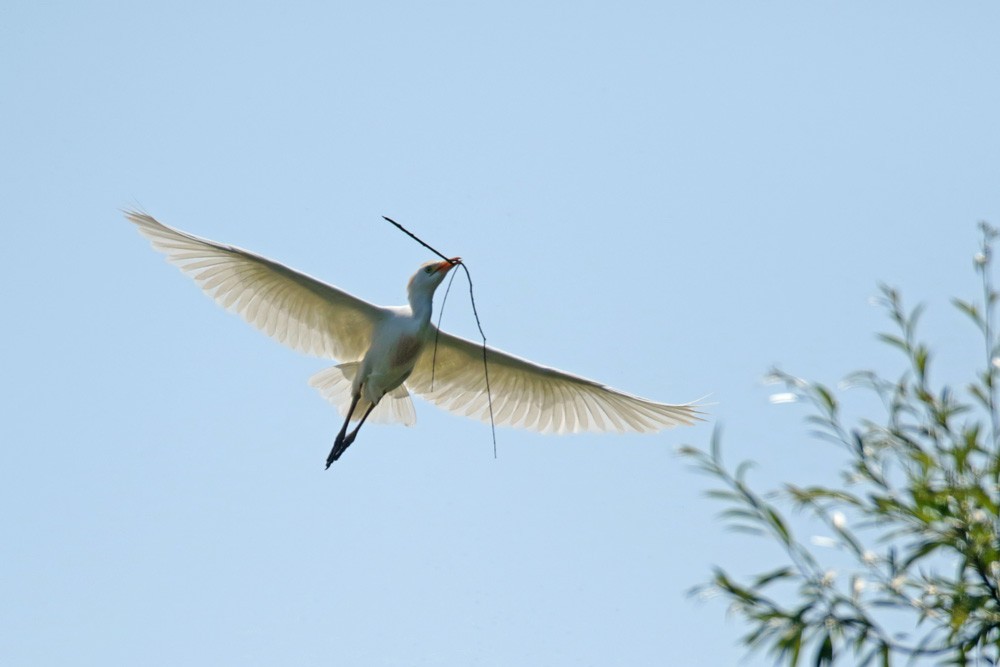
574 412
531 396
291 307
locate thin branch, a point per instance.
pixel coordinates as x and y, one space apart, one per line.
983 264
472 297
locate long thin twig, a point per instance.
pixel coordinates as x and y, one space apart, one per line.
437 331
472 297
414 237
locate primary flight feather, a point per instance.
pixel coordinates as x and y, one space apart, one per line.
385 352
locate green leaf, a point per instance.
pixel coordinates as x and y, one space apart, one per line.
745 529
920 358
895 341
722 494
911 322
829 402
920 550
791 644
737 513
969 309
742 469
779 525
775 575
979 395
824 656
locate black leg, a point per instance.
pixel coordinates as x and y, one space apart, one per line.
350 436
338 444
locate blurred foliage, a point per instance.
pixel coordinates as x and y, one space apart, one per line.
915 518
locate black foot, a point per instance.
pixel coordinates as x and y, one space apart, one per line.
339 447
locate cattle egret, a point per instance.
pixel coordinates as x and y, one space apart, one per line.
389 351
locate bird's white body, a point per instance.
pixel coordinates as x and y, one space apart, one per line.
398 341
398 338
385 350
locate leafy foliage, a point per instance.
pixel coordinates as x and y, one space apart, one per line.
917 515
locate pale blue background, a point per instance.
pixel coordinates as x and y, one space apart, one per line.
669 197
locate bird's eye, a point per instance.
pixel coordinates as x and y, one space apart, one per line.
429 269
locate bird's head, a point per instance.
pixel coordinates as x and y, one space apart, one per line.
430 275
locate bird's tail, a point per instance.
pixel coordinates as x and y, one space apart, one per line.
334 384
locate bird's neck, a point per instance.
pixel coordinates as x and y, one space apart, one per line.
421 305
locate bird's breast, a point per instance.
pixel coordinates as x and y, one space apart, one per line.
388 363
405 351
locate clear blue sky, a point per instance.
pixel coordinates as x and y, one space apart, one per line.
668 197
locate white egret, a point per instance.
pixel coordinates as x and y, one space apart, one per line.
386 352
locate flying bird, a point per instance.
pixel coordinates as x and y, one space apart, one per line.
389 351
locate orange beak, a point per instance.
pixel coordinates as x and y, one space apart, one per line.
449 265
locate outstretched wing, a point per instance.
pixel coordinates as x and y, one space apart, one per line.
531 396
291 307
